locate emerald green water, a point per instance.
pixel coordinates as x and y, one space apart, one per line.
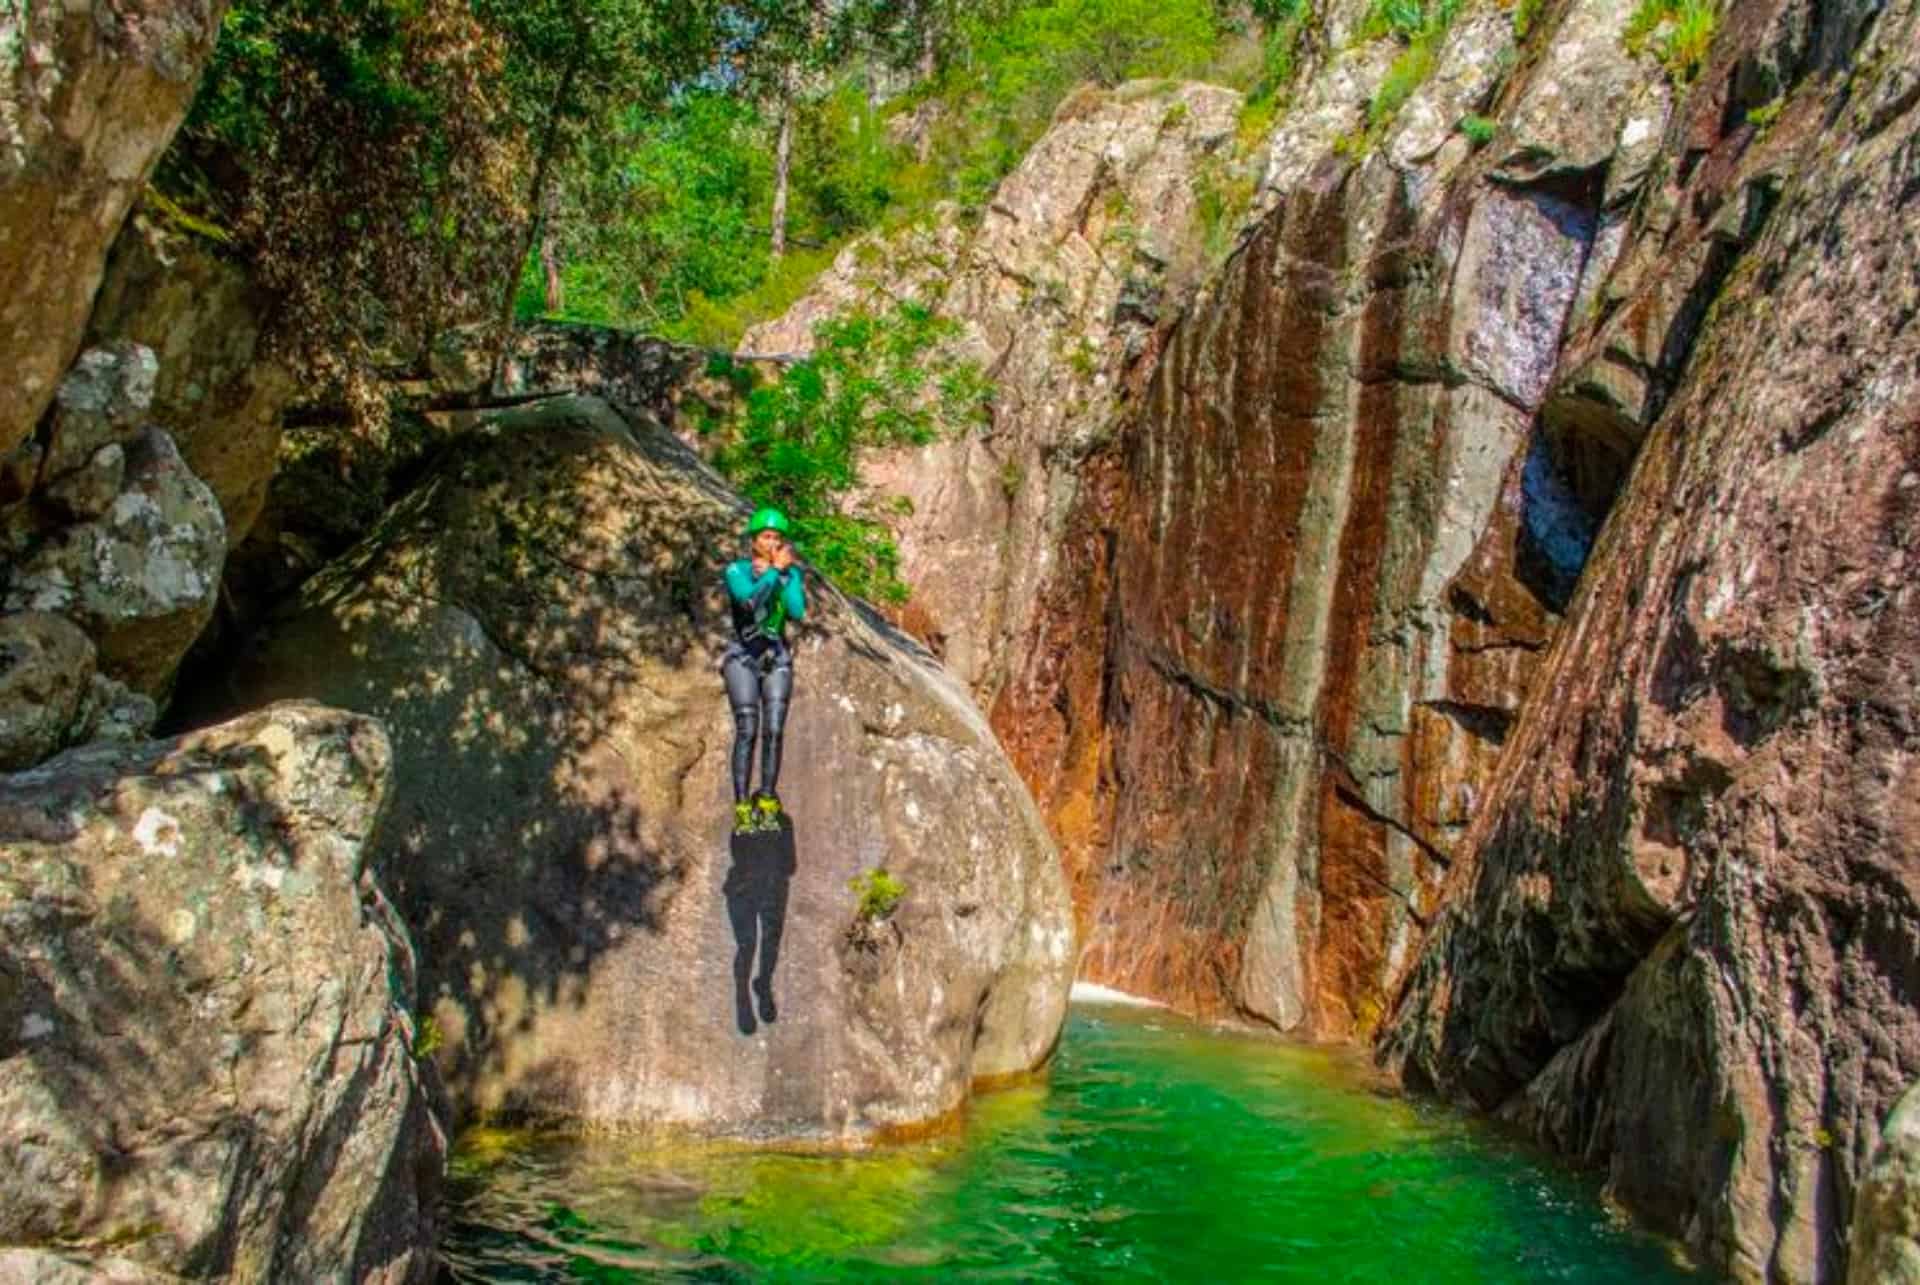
1161 1150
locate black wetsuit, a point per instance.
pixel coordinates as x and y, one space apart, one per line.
758 666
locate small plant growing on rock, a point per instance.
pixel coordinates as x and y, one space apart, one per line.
1680 32
427 1038
872 931
1763 116
1478 129
879 894
1012 477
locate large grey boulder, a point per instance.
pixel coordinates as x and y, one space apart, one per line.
539 627
206 1062
140 578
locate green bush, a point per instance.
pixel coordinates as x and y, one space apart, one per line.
1478 129
879 894
796 443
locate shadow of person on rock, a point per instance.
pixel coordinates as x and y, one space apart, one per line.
756 889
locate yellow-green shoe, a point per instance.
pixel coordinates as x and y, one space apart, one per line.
767 814
743 822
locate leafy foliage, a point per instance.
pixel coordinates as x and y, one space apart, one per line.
878 894
1420 25
666 215
871 381
1018 68
372 161
1410 20
359 160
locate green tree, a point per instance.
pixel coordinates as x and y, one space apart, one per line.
570 61
381 165
359 159
871 381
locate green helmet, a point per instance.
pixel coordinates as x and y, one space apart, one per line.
768 520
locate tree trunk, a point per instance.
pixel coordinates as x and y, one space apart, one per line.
550 254
543 166
928 62
782 165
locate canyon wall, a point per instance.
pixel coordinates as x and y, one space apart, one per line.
1307 587
1487 623
1682 937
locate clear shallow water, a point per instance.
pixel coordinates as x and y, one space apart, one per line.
1161 1150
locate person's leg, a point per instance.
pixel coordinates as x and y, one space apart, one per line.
743 694
776 691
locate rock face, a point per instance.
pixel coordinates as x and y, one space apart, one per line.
46 664
141 577
215 392
538 625
1683 927
93 96
1289 624
1293 672
1063 292
205 1045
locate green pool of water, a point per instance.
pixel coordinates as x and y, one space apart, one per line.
1161 1150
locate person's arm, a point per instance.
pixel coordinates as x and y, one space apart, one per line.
794 593
744 588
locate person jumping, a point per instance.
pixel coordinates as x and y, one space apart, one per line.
766 589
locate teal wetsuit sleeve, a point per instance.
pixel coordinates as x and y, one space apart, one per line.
744 588
740 581
794 594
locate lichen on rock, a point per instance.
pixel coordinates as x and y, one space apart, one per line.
141 578
205 1028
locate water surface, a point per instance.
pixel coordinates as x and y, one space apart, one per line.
1160 1150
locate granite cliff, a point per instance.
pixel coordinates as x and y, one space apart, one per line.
1483 625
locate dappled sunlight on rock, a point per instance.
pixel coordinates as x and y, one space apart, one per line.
539 625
